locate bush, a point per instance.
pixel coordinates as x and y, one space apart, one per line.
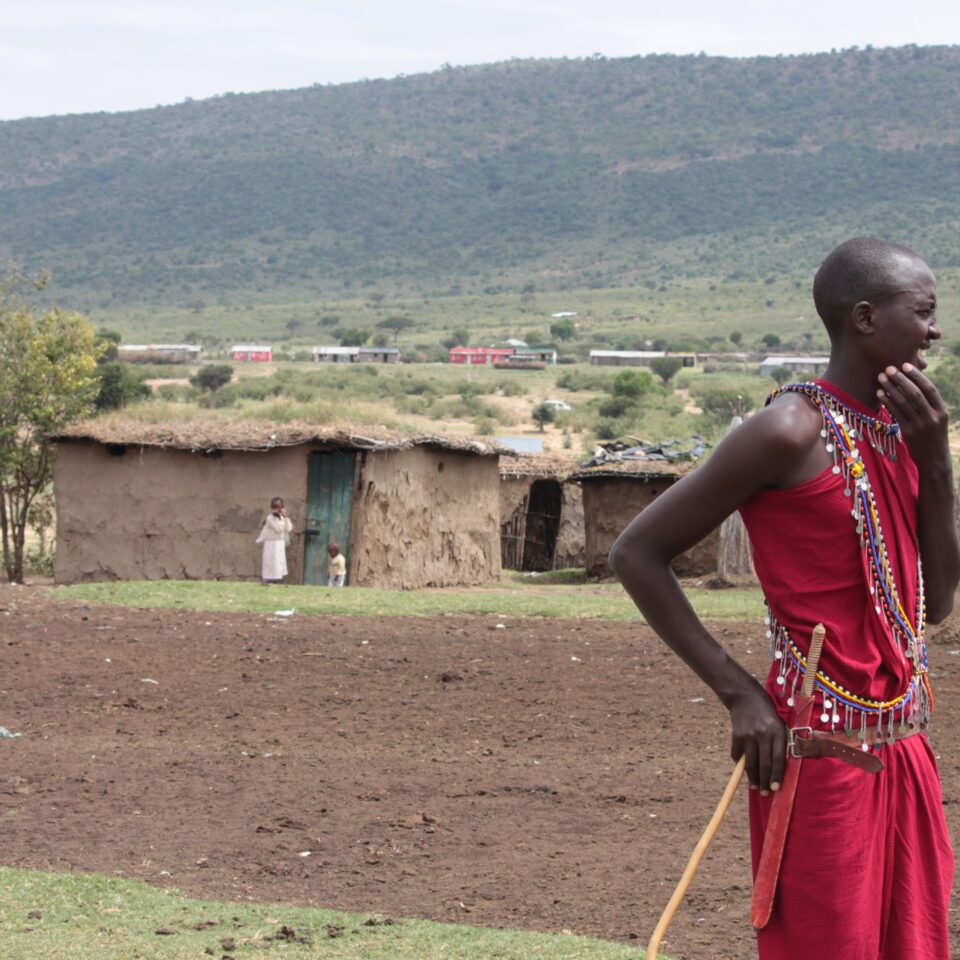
721 404
666 367
616 406
632 383
119 385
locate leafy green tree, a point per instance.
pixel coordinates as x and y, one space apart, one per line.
720 405
353 336
381 340
564 329
666 367
458 338
533 338
632 383
48 378
543 414
770 340
109 341
119 385
736 338
212 377
397 324
781 375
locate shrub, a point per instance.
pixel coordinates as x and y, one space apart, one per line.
632 383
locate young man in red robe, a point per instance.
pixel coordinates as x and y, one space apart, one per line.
845 486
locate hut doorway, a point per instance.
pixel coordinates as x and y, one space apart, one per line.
541 526
329 503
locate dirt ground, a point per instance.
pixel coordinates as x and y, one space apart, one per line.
548 775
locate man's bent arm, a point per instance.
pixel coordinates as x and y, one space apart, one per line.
753 456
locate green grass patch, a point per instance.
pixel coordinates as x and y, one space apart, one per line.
91 917
518 596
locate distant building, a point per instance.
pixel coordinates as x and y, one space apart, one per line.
637 358
160 352
812 365
379 355
335 354
546 355
356 355
479 355
251 354
624 358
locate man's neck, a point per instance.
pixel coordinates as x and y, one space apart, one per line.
852 376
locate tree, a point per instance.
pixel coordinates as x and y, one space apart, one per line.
212 377
770 340
352 336
720 405
666 367
109 341
736 337
458 338
119 385
543 414
396 324
564 329
47 379
632 383
781 375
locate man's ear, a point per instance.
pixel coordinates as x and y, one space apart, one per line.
862 315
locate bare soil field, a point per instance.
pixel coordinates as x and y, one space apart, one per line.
549 775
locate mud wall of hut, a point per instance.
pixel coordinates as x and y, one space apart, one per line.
426 517
146 513
514 500
571 545
610 503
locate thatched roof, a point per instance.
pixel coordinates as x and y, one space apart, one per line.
539 465
632 468
214 433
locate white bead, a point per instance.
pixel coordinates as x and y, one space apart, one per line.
789 701
824 717
829 448
836 469
780 681
778 655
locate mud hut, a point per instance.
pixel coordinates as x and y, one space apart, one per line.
185 501
541 517
614 493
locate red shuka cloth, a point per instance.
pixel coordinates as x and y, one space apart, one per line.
868 866
810 564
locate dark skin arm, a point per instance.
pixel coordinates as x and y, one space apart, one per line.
776 448
919 409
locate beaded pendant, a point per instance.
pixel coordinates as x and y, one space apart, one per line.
842 428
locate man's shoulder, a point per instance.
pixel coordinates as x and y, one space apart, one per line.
788 425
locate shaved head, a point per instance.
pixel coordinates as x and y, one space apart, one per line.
863 268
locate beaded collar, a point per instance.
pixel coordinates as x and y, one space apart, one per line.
842 427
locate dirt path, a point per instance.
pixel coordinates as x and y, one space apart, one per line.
533 776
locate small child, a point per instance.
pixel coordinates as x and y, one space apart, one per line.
337 567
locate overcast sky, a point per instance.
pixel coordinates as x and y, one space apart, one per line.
77 56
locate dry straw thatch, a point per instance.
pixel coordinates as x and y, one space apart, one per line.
215 433
537 465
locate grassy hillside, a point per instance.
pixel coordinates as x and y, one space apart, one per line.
553 175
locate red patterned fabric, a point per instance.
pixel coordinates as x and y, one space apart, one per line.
868 865
809 562
868 868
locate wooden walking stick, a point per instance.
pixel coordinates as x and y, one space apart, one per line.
696 857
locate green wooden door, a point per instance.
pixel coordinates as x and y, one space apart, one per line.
329 500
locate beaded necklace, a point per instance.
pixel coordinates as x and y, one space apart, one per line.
842 427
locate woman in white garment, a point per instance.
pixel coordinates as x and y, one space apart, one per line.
274 535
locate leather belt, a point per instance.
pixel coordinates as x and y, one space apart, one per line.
804 742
